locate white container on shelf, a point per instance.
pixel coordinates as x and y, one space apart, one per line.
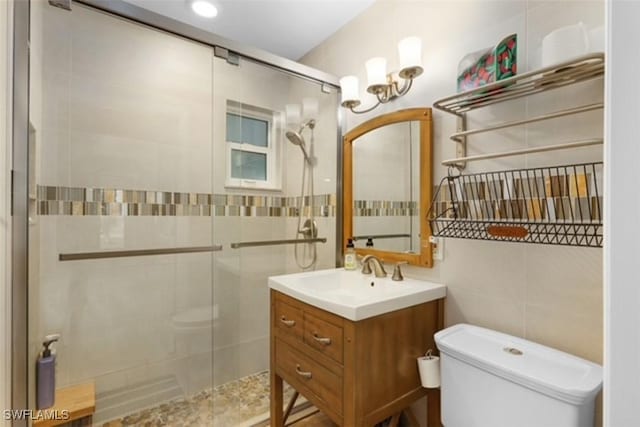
564 43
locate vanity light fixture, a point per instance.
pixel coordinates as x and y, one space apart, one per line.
385 86
204 8
299 114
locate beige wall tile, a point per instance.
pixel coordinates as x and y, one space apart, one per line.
572 330
496 270
476 308
565 279
550 295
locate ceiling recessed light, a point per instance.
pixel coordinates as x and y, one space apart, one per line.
204 8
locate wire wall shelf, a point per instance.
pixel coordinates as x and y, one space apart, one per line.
577 70
558 205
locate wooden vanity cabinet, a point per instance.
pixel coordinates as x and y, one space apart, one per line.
357 373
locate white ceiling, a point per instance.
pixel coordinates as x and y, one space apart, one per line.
288 28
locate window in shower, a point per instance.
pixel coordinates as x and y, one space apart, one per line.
253 142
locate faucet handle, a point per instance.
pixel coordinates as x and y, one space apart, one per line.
397 273
366 268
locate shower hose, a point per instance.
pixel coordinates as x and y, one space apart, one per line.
307 256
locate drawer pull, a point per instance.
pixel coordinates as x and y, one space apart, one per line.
321 340
288 323
304 374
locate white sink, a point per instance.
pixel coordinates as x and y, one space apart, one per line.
353 295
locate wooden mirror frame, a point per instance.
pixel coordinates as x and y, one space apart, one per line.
423 115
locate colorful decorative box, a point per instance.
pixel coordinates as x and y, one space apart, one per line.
488 65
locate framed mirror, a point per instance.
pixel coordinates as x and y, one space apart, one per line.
387 179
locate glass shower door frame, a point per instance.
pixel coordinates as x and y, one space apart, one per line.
20 156
19 210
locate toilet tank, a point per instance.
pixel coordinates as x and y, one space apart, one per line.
490 379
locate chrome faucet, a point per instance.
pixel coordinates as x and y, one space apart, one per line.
378 268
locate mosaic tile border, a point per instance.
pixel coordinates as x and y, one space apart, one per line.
384 208
77 201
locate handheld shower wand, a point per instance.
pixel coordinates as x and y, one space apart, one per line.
309 229
296 138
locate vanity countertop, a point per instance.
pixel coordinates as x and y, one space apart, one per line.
353 295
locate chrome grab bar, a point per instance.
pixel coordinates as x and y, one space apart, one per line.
542 149
459 136
137 252
379 236
239 245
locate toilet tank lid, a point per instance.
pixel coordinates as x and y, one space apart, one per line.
544 369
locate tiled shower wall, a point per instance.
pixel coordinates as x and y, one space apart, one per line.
129 154
549 294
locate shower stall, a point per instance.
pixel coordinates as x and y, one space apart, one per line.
163 190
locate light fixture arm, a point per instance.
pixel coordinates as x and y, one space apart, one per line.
406 87
364 111
390 92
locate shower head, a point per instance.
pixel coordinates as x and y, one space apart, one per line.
297 139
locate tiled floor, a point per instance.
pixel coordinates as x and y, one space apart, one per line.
194 411
229 405
237 402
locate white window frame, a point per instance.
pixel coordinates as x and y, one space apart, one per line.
272 150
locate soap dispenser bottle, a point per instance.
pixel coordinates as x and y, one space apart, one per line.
46 374
350 256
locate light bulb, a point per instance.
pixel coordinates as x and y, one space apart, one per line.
410 53
350 91
292 112
309 108
376 74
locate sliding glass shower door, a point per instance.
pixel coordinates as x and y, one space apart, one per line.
258 175
164 191
121 241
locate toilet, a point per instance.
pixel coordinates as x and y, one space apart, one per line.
490 379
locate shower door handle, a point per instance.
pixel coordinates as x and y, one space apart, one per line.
138 252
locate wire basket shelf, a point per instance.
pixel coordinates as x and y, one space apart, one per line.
558 205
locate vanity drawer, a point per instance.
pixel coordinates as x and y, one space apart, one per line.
289 319
323 336
302 372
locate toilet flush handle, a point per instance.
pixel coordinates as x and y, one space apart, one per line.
513 350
